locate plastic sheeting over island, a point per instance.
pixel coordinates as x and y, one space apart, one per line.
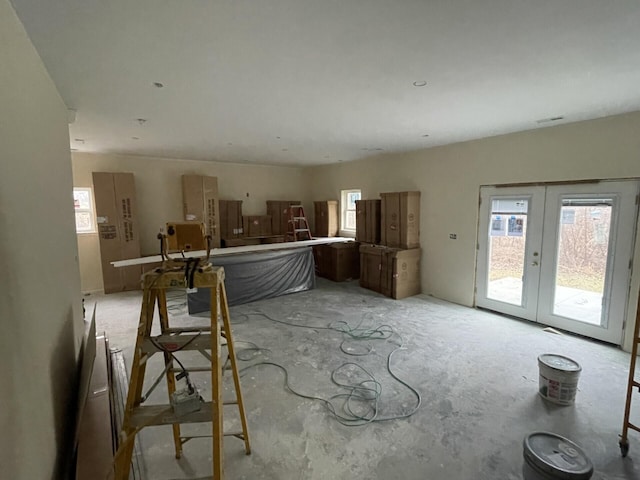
256 276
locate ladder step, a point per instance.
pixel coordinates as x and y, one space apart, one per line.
201 330
195 369
633 427
185 439
176 343
187 329
149 415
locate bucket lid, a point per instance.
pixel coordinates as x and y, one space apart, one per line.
557 456
559 362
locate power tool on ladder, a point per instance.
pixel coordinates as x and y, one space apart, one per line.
298 225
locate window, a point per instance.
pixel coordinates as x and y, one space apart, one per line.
83 205
348 209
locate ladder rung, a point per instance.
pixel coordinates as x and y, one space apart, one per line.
633 427
185 439
149 415
195 369
190 369
295 206
163 415
201 330
175 343
175 330
301 229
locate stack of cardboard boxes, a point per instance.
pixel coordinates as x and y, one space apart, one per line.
393 267
201 204
115 196
201 212
326 218
238 230
368 221
231 220
335 261
279 212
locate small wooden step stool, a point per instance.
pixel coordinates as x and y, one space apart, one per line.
170 341
298 225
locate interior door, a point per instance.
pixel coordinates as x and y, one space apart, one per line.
559 254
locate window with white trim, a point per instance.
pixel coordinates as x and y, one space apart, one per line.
83 206
348 210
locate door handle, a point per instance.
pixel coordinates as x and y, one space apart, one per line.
534 264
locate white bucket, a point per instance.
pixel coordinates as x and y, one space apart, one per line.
558 378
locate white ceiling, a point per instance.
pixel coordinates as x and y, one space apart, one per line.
321 81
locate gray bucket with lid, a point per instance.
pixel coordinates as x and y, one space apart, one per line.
548 456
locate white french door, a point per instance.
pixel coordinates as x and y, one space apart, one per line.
558 254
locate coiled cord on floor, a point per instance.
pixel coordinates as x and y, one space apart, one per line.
359 405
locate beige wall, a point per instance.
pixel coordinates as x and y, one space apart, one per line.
450 178
159 195
40 302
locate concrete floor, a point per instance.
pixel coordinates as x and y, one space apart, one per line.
477 374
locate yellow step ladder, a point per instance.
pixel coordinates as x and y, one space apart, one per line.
633 383
186 405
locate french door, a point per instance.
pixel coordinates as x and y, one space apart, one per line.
558 254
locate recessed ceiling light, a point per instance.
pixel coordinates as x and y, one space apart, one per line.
419 83
79 140
550 119
158 84
141 121
135 138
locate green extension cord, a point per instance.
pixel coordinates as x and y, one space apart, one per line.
367 392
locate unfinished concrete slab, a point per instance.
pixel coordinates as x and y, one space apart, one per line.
476 374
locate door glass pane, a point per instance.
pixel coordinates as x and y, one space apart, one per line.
507 240
583 249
